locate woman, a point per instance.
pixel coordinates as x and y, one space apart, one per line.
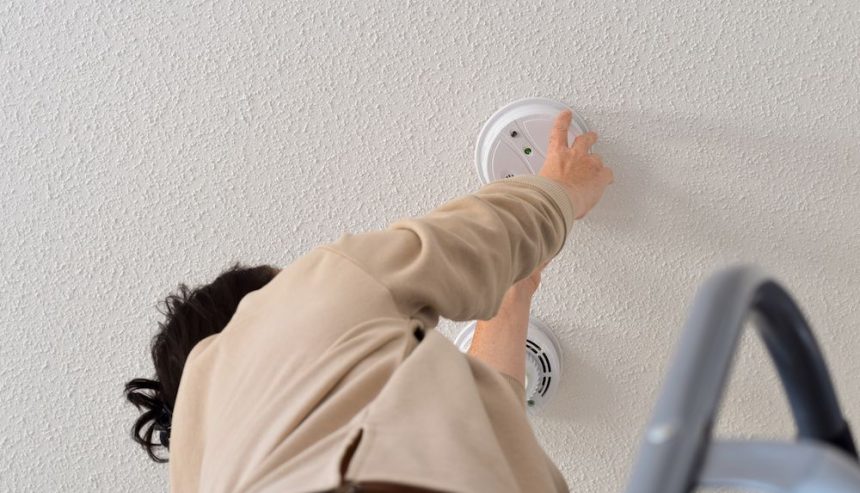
325 375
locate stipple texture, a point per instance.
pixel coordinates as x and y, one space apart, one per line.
147 143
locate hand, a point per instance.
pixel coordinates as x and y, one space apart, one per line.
582 174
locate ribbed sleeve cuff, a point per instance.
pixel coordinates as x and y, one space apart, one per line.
555 191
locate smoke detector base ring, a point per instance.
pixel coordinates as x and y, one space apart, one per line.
543 361
514 139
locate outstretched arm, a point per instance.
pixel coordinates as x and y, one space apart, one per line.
501 341
459 260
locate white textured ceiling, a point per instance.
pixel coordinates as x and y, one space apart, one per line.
150 144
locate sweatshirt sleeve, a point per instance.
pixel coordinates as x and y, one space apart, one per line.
459 260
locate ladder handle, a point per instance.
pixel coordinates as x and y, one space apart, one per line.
677 438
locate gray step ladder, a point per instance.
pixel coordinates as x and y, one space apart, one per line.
677 453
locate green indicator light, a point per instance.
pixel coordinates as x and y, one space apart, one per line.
527 150
530 402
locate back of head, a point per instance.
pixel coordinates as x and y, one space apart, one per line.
191 315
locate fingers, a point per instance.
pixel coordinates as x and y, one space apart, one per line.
558 136
583 143
606 173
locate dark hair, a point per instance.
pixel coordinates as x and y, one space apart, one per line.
191 315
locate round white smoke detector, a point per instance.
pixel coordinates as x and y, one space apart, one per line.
543 361
514 140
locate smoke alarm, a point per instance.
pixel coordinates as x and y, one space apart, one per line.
514 140
543 361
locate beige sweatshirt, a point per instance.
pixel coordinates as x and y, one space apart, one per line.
330 348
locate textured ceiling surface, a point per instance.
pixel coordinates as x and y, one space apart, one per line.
145 144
